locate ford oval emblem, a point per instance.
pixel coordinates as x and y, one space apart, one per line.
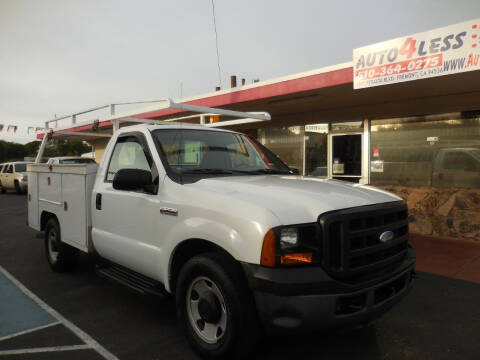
386 236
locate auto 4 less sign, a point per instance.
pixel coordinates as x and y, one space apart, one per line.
448 50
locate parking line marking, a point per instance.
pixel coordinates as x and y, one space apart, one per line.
29 330
44 349
87 339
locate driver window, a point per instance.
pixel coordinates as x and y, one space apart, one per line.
129 153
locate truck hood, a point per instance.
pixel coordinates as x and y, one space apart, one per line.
295 199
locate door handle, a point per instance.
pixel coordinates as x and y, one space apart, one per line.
168 211
98 202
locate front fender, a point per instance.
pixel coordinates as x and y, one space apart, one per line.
243 241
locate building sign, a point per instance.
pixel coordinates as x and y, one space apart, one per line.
448 50
432 140
376 166
317 128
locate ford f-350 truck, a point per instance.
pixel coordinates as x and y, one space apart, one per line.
219 221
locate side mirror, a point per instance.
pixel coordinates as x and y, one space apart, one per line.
132 179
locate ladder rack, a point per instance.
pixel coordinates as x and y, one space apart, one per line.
132 116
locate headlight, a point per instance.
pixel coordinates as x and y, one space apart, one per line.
288 238
292 245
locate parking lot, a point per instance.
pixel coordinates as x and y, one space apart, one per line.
44 315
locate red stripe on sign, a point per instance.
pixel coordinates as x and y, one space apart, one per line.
401 67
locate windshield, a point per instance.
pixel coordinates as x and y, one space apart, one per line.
476 153
194 152
20 168
77 161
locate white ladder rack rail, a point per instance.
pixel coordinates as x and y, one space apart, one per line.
129 116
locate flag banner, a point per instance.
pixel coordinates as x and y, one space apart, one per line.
12 127
30 130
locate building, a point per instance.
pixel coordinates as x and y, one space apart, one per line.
419 139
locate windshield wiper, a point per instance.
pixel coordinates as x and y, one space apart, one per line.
208 171
233 171
270 171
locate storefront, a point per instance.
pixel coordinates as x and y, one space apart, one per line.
433 161
418 138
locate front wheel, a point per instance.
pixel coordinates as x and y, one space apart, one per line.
216 308
2 189
61 257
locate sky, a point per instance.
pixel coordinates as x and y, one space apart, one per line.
62 56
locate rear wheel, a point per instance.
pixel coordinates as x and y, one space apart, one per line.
18 189
216 308
61 257
2 189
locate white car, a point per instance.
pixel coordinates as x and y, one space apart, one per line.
71 160
218 220
13 176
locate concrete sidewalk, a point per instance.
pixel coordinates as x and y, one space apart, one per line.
456 259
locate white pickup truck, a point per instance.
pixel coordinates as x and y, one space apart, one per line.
216 219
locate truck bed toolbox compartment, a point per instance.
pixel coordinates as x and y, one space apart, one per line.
63 190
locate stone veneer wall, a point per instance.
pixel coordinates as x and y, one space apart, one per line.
452 213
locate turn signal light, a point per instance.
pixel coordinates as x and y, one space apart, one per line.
297 258
268 249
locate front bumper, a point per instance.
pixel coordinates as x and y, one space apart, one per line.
288 299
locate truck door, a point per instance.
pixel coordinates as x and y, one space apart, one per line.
125 223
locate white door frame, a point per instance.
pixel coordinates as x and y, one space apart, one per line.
364 178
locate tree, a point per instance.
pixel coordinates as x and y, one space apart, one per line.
17 152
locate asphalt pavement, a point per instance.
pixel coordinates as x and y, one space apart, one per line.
44 315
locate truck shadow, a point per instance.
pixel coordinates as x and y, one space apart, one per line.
153 315
345 344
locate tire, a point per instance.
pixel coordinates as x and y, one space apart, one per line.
18 189
2 189
216 308
61 257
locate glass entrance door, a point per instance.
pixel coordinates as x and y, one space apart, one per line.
345 156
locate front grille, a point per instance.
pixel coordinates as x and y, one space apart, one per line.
352 246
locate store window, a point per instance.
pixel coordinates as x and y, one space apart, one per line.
316 154
432 151
286 143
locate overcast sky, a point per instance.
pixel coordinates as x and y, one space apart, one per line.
57 57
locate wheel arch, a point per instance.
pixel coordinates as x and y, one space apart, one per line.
44 217
187 249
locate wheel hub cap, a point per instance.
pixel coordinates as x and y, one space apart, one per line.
52 245
209 308
206 310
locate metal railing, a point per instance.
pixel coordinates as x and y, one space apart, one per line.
132 116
